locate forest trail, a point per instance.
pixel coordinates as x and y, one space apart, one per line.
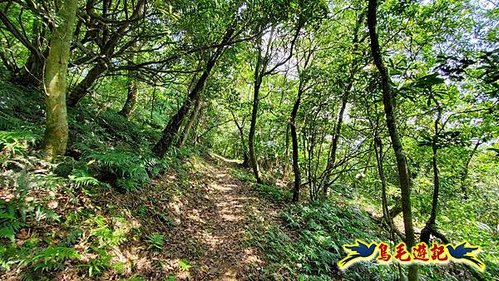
212 223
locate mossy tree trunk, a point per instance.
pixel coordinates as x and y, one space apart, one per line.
131 98
56 68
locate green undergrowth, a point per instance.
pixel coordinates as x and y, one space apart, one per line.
307 244
267 191
93 213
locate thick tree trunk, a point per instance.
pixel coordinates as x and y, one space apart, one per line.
56 133
131 98
404 180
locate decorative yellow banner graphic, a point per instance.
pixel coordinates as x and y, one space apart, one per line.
421 253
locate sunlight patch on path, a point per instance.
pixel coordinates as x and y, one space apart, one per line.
211 220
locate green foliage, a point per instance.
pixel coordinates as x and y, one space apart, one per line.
105 235
15 143
100 263
243 175
442 60
81 178
184 265
320 229
123 169
10 223
156 241
274 193
53 258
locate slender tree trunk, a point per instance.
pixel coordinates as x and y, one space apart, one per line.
378 147
387 214
285 166
240 128
252 131
294 140
56 133
465 172
32 72
257 83
334 145
436 178
430 226
404 180
171 129
344 101
187 129
107 52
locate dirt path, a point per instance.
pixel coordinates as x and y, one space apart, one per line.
212 219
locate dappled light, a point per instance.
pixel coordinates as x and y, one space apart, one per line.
327 140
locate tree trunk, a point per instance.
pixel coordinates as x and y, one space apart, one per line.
403 173
464 174
32 72
294 140
187 129
56 133
331 163
334 145
257 83
252 131
171 129
240 128
430 224
107 53
285 166
80 90
378 148
131 99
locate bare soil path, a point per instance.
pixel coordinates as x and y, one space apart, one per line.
213 219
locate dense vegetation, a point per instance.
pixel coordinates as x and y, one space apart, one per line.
356 119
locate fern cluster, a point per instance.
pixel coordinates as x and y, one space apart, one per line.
156 241
123 169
